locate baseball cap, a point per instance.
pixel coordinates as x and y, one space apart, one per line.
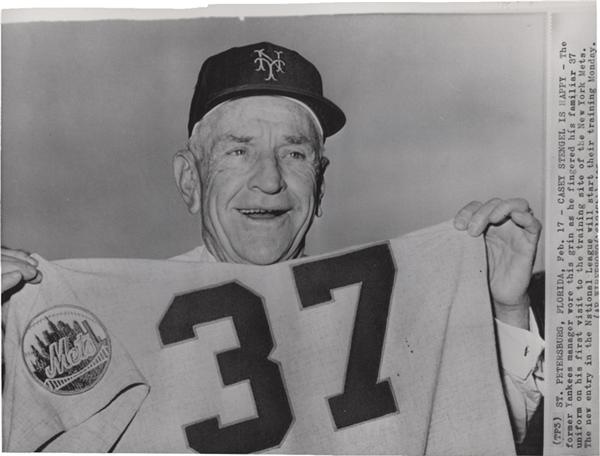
263 69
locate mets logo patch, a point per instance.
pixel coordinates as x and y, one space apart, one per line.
66 349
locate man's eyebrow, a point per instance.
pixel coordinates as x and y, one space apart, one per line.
297 140
233 138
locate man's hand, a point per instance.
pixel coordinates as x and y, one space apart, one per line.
511 234
17 267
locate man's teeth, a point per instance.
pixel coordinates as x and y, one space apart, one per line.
262 211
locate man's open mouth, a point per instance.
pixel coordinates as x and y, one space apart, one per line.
263 213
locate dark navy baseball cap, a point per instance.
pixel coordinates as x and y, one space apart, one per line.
262 69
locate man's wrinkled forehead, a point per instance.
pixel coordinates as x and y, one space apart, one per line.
260 101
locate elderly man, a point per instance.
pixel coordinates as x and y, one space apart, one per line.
253 170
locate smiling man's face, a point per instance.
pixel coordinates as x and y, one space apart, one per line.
259 167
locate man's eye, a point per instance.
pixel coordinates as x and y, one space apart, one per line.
297 155
237 152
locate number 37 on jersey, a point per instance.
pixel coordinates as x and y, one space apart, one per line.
363 396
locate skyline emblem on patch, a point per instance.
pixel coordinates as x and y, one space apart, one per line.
66 349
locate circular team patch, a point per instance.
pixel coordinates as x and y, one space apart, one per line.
66 349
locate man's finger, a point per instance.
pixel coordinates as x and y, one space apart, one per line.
463 217
10 264
481 219
10 280
38 277
506 207
20 254
527 221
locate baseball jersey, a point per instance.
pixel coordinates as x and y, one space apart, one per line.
383 348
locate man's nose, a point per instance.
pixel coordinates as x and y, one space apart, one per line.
267 176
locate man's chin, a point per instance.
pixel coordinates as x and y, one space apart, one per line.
264 256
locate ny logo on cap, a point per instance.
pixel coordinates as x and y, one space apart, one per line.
273 65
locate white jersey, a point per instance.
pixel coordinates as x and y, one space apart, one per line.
385 348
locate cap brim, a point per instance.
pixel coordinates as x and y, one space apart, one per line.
332 118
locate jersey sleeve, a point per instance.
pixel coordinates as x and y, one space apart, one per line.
69 385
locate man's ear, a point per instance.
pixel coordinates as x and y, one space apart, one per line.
187 179
323 163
